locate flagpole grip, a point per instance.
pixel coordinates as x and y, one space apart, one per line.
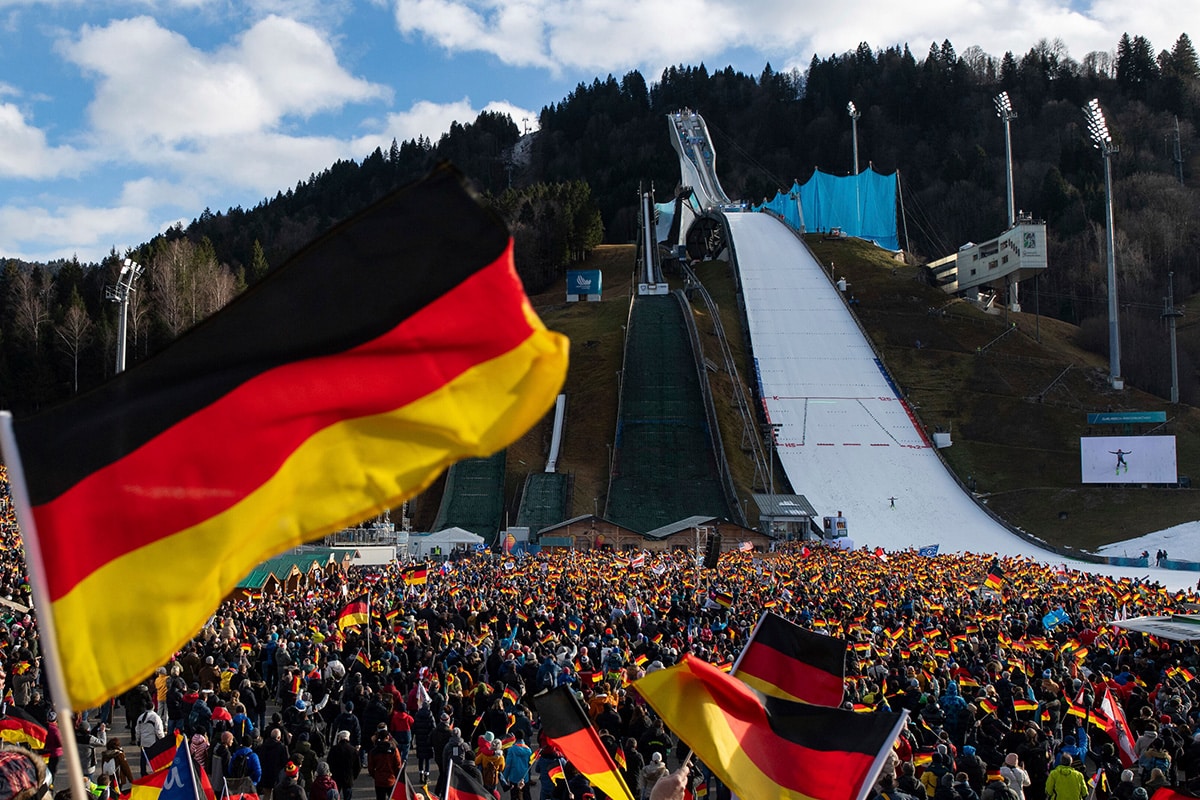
48 638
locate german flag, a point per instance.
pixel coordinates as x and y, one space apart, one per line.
362 659
566 726
555 773
783 660
461 785
278 420
415 575
762 746
723 599
356 612
150 787
995 576
619 758
510 694
160 754
1022 704
18 727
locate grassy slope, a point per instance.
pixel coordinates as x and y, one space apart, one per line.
1022 453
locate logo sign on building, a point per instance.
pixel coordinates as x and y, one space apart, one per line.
583 284
1128 459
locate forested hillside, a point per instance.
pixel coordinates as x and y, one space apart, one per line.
932 118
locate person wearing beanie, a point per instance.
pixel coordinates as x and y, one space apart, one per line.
1065 782
289 787
344 764
654 770
1015 775
324 787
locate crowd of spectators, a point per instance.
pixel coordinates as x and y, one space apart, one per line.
1000 684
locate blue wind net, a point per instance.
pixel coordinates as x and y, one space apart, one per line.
862 205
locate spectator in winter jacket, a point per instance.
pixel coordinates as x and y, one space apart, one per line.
244 762
344 764
383 763
654 770
1065 782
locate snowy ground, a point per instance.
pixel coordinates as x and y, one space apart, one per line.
1181 542
845 439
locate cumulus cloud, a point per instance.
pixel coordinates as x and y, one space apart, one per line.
42 233
600 36
24 152
162 90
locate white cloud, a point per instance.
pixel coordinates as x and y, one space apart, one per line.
431 120
24 152
40 233
160 90
599 36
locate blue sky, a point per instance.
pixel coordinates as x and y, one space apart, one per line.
119 118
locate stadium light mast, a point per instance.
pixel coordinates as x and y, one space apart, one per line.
130 270
854 115
1005 111
1098 130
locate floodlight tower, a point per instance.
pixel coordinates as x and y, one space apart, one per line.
1098 130
130 270
854 115
1004 110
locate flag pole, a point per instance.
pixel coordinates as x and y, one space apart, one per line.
51 657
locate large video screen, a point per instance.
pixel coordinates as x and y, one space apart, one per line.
1128 459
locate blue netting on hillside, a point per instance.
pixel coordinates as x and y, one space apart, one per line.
862 206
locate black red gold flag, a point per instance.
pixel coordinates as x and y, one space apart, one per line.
566 726
344 382
783 660
765 747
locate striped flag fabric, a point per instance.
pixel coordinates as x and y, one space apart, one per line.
566 726
356 613
18 727
783 660
416 575
764 747
160 754
281 415
149 787
995 576
461 785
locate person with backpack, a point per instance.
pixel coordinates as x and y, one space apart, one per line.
244 763
324 787
516 774
147 730
219 758
114 764
491 764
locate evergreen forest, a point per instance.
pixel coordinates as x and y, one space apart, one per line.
574 184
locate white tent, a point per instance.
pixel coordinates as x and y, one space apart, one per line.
428 544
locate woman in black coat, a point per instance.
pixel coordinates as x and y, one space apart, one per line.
422 732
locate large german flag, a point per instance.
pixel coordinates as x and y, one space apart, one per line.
357 612
18 727
764 747
392 346
783 660
567 727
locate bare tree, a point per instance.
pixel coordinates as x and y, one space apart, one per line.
73 334
168 285
31 305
